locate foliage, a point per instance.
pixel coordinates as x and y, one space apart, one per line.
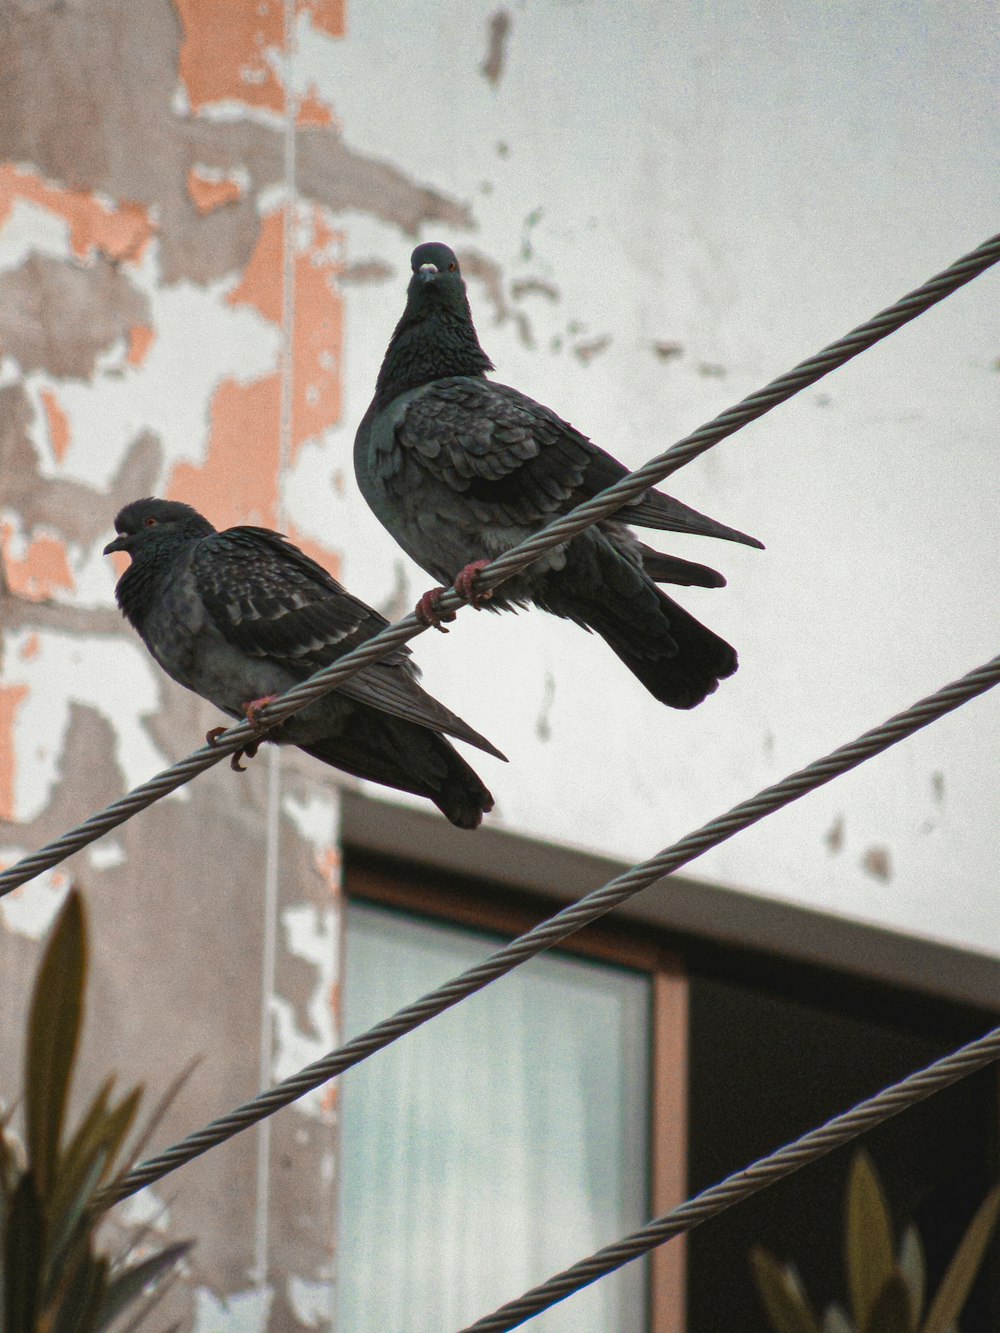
52 1279
886 1284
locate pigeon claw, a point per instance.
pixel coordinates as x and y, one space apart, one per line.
252 710
465 584
427 613
246 752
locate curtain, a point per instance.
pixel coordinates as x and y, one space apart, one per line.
496 1145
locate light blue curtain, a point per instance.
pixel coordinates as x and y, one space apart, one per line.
496 1145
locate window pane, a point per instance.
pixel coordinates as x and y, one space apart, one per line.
493 1147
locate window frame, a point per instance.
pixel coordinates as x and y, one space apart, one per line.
480 904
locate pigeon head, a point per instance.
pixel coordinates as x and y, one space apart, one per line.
435 336
148 524
437 280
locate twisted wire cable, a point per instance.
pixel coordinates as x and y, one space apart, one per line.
560 926
750 1180
517 558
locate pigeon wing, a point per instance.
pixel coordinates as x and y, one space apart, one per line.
271 600
513 460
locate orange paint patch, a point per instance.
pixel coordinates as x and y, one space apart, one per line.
331 562
140 339
209 191
31 647
329 16
263 277
317 341
11 698
58 423
318 335
313 113
121 231
42 569
225 52
238 482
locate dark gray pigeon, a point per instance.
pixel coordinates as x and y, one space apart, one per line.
243 615
460 469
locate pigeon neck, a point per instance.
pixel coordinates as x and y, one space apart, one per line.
138 587
429 348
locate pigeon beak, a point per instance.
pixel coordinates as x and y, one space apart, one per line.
427 272
120 543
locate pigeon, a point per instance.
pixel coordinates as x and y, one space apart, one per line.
241 616
459 469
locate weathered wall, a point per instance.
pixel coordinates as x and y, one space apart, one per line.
204 241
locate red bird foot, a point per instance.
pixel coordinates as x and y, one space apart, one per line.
246 752
465 583
254 707
427 613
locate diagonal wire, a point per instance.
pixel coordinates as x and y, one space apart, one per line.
518 557
563 924
741 1185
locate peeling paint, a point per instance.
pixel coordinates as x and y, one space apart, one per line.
106 855
316 817
12 698
877 864
31 909
313 113
140 339
229 53
492 67
311 934
115 677
312 1302
211 189
326 16
242 1312
35 569
834 837
58 424
145 1209
119 231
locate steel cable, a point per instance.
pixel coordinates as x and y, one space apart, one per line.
741 1185
517 558
560 926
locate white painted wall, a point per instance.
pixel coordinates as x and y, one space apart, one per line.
748 182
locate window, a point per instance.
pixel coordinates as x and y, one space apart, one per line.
498 1144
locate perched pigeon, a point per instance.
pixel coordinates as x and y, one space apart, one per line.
460 469
243 615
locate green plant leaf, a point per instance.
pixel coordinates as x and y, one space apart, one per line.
870 1261
890 1311
70 1227
782 1294
954 1290
76 1166
80 1294
53 1036
24 1251
836 1321
129 1285
912 1266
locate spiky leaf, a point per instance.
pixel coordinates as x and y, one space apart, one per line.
24 1251
74 1310
53 1036
954 1290
870 1260
782 1294
128 1286
890 1312
911 1265
836 1321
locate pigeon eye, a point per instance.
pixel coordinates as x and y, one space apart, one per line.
452 267
149 522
